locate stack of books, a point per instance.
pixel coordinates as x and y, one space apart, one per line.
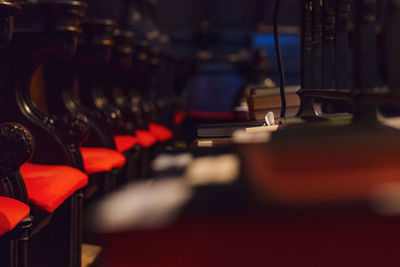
262 100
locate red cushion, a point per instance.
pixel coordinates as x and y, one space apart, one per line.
145 138
179 117
12 212
49 185
125 142
97 159
162 133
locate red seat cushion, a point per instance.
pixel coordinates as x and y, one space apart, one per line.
162 133
145 138
98 159
179 117
125 142
12 212
49 186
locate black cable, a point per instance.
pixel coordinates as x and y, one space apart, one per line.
279 59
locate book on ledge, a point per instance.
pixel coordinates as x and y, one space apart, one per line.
224 129
261 100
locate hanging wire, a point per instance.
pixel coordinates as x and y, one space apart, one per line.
279 58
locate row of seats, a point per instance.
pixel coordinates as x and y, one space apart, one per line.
88 131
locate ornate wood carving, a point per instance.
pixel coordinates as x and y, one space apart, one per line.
44 32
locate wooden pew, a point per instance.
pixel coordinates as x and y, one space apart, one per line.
121 76
55 80
54 191
69 84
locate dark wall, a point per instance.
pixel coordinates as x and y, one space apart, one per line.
175 15
186 15
105 9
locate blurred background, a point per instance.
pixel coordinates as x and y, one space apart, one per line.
219 43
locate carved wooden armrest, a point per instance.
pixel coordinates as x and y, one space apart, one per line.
71 128
16 148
